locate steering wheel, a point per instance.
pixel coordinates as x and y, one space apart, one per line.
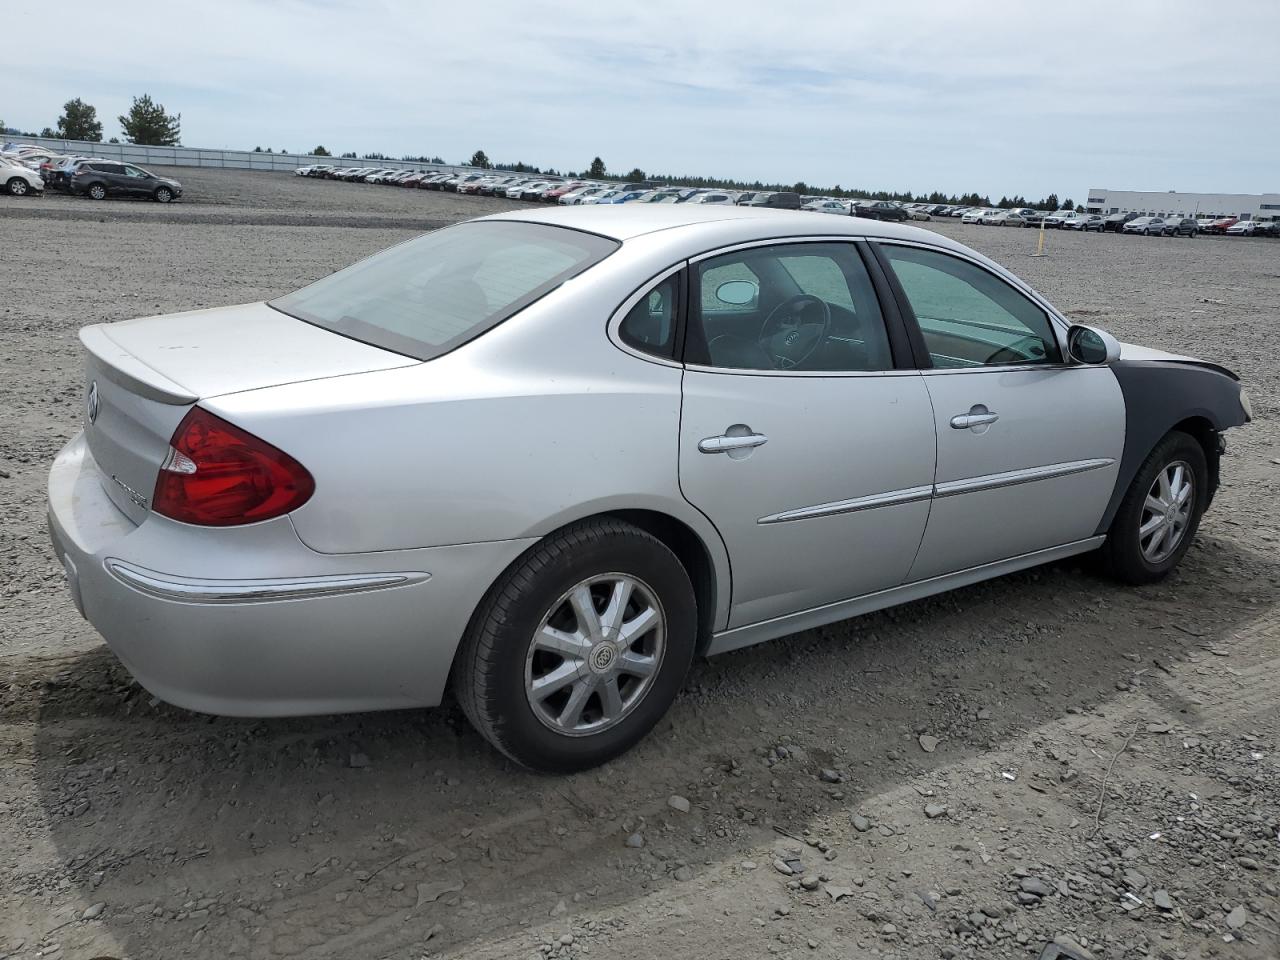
788 336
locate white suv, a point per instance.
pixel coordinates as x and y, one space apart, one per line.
18 180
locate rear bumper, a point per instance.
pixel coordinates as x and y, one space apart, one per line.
256 623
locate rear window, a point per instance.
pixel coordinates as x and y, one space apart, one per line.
425 297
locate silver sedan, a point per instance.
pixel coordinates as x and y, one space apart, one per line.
549 457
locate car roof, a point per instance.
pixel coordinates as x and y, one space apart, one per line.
624 221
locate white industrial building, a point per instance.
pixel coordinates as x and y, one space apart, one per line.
1247 206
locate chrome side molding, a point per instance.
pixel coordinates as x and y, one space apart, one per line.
950 488
205 591
1012 478
892 498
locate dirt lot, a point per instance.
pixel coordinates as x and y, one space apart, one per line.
1047 755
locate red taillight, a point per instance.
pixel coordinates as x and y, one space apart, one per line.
221 476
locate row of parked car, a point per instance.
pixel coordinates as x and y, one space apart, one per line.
541 188
1173 225
26 169
546 189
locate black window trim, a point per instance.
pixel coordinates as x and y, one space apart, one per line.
619 315
638 296
924 361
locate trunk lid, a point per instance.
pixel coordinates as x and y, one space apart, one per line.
142 376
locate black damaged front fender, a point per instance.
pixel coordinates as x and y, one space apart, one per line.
1162 394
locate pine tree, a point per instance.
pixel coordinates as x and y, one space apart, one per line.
147 123
79 121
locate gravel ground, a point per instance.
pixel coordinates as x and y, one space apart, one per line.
1043 756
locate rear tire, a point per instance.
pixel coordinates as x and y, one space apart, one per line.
97 191
1151 505
527 698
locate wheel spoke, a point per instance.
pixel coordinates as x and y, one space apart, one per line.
610 698
637 664
1152 550
571 714
1166 492
1156 505
584 608
611 619
571 646
1150 526
638 625
547 684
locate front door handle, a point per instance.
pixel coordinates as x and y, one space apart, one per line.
727 444
978 416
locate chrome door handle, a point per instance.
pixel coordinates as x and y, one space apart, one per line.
726 443
977 417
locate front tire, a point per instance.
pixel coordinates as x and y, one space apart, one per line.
163 195
1160 512
580 648
17 187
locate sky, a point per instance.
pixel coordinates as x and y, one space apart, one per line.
1005 98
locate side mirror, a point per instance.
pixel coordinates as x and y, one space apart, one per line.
737 292
1091 345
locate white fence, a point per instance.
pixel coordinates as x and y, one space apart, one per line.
237 159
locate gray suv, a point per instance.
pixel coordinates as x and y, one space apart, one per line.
1180 226
100 179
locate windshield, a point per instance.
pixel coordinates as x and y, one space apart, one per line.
425 297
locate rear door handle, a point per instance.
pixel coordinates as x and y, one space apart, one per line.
726 443
978 416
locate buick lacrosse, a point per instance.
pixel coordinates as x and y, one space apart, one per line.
547 458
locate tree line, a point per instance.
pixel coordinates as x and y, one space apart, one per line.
148 123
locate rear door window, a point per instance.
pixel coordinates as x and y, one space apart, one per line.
797 307
426 297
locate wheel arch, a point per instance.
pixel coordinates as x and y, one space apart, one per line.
706 563
1202 429
693 555
1163 396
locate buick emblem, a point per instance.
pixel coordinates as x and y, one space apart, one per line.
91 403
602 657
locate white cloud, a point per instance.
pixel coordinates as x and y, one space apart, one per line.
1004 97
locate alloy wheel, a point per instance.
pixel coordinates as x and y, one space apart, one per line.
595 654
1166 512
18 187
